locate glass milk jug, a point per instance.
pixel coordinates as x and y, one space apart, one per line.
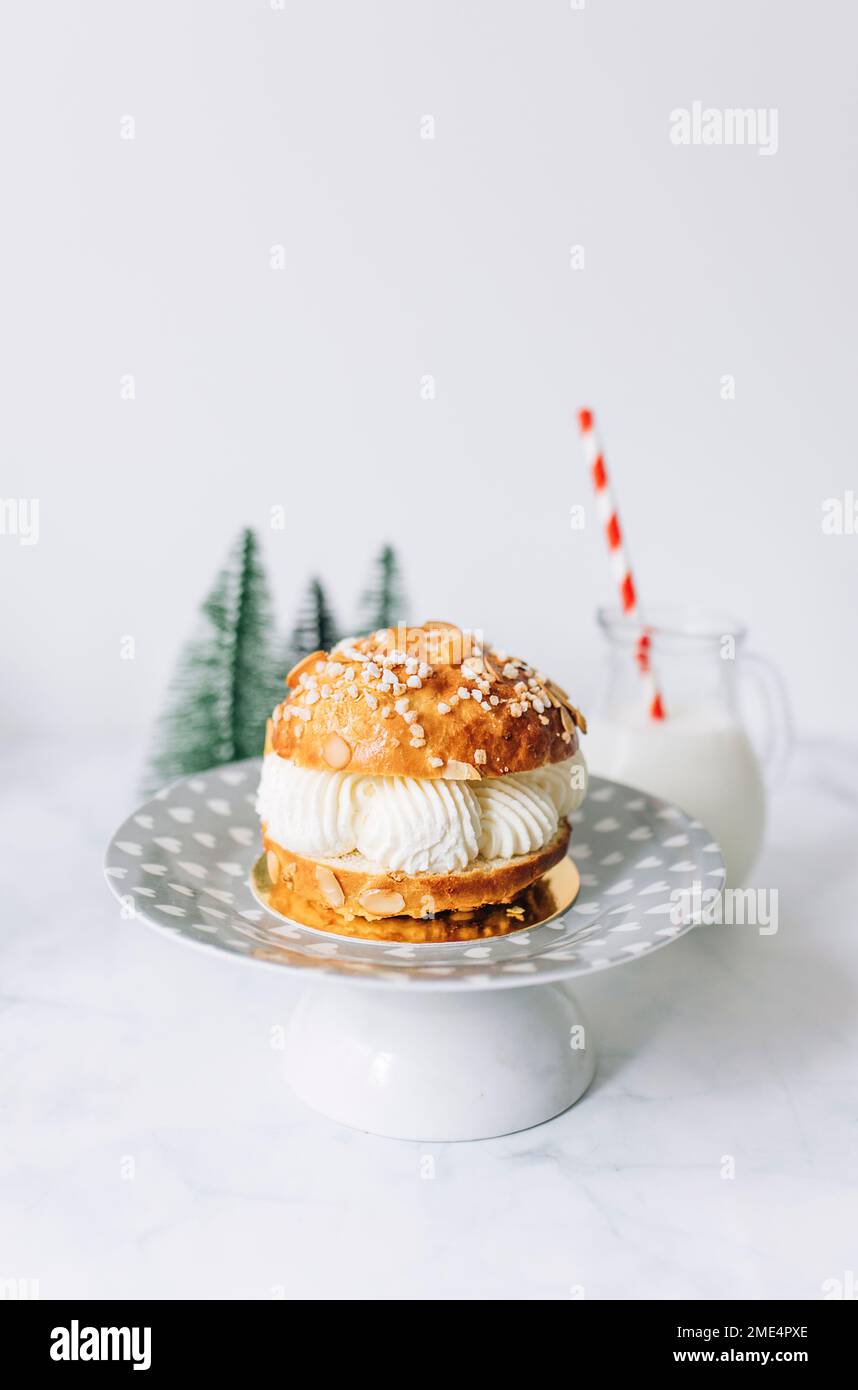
700 756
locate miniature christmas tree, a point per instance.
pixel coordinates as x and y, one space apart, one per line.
316 628
383 602
228 679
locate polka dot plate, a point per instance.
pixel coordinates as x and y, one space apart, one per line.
183 862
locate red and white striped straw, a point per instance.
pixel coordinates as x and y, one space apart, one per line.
619 558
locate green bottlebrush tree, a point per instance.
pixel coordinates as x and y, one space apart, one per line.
228 678
316 628
383 602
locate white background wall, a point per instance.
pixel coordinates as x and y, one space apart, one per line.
254 387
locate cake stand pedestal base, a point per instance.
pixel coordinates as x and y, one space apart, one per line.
437 1065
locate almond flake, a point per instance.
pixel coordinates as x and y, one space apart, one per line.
336 752
329 886
380 902
457 771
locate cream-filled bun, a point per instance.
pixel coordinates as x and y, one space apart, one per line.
415 771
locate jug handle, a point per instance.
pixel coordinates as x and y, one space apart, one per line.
779 736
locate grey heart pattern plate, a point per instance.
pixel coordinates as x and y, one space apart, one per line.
182 863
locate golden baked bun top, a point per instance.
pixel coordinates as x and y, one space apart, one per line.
428 701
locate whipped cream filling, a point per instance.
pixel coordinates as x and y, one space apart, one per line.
416 824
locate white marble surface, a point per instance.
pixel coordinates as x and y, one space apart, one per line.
117 1044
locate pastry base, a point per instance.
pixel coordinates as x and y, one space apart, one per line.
421 896
544 900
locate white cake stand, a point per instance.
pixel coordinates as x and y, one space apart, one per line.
464 1040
